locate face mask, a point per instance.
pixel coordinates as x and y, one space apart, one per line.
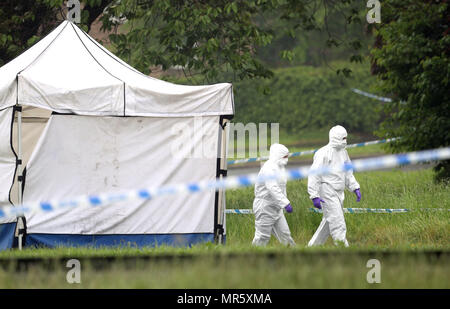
342 144
283 161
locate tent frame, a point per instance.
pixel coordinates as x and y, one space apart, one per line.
20 228
221 172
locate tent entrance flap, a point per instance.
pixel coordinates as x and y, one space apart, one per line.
8 164
25 135
8 157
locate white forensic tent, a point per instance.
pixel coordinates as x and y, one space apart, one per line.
111 129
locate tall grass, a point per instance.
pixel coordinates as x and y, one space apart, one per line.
418 229
256 271
414 190
399 241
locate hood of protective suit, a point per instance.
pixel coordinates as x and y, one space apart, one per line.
277 152
337 135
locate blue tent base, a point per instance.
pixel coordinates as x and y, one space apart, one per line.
115 240
7 231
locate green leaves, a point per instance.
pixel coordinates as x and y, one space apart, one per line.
232 6
414 67
344 71
215 40
212 39
24 22
307 98
287 55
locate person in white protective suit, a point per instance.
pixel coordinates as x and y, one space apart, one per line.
271 199
327 191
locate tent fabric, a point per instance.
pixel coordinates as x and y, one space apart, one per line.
7 235
124 240
69 72
9 72
33 123
83 155
7 156
7 172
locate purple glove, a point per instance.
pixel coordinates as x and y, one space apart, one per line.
288 208
358 195
316 202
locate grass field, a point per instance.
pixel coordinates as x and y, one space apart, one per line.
267 268
311 140
384 189
413 248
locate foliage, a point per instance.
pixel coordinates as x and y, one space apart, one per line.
413 66
218 39
307 98
20 24
24 22
333 38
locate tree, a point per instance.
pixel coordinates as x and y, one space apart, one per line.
24 22
21 22
413 66
217 39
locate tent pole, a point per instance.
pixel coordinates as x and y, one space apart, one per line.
223 171
19 172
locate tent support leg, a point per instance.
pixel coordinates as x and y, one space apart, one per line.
20 224
222 173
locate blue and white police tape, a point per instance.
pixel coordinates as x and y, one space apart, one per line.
239 211
229 182
308 152
372 96
381 141
382 210
350 210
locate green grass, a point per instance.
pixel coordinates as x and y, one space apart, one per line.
399 241
291 270
383 189
314 140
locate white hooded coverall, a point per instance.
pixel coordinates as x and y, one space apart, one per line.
330 188
270 200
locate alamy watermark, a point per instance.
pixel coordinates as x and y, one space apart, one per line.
74 11
197 139
258 139
74 274
374 14
374 274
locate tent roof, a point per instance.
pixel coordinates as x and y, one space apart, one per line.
69 72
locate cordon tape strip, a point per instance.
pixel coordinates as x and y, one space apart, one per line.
350 210
230 182
372 96
312 151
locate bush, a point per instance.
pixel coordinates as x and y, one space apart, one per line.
307 97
